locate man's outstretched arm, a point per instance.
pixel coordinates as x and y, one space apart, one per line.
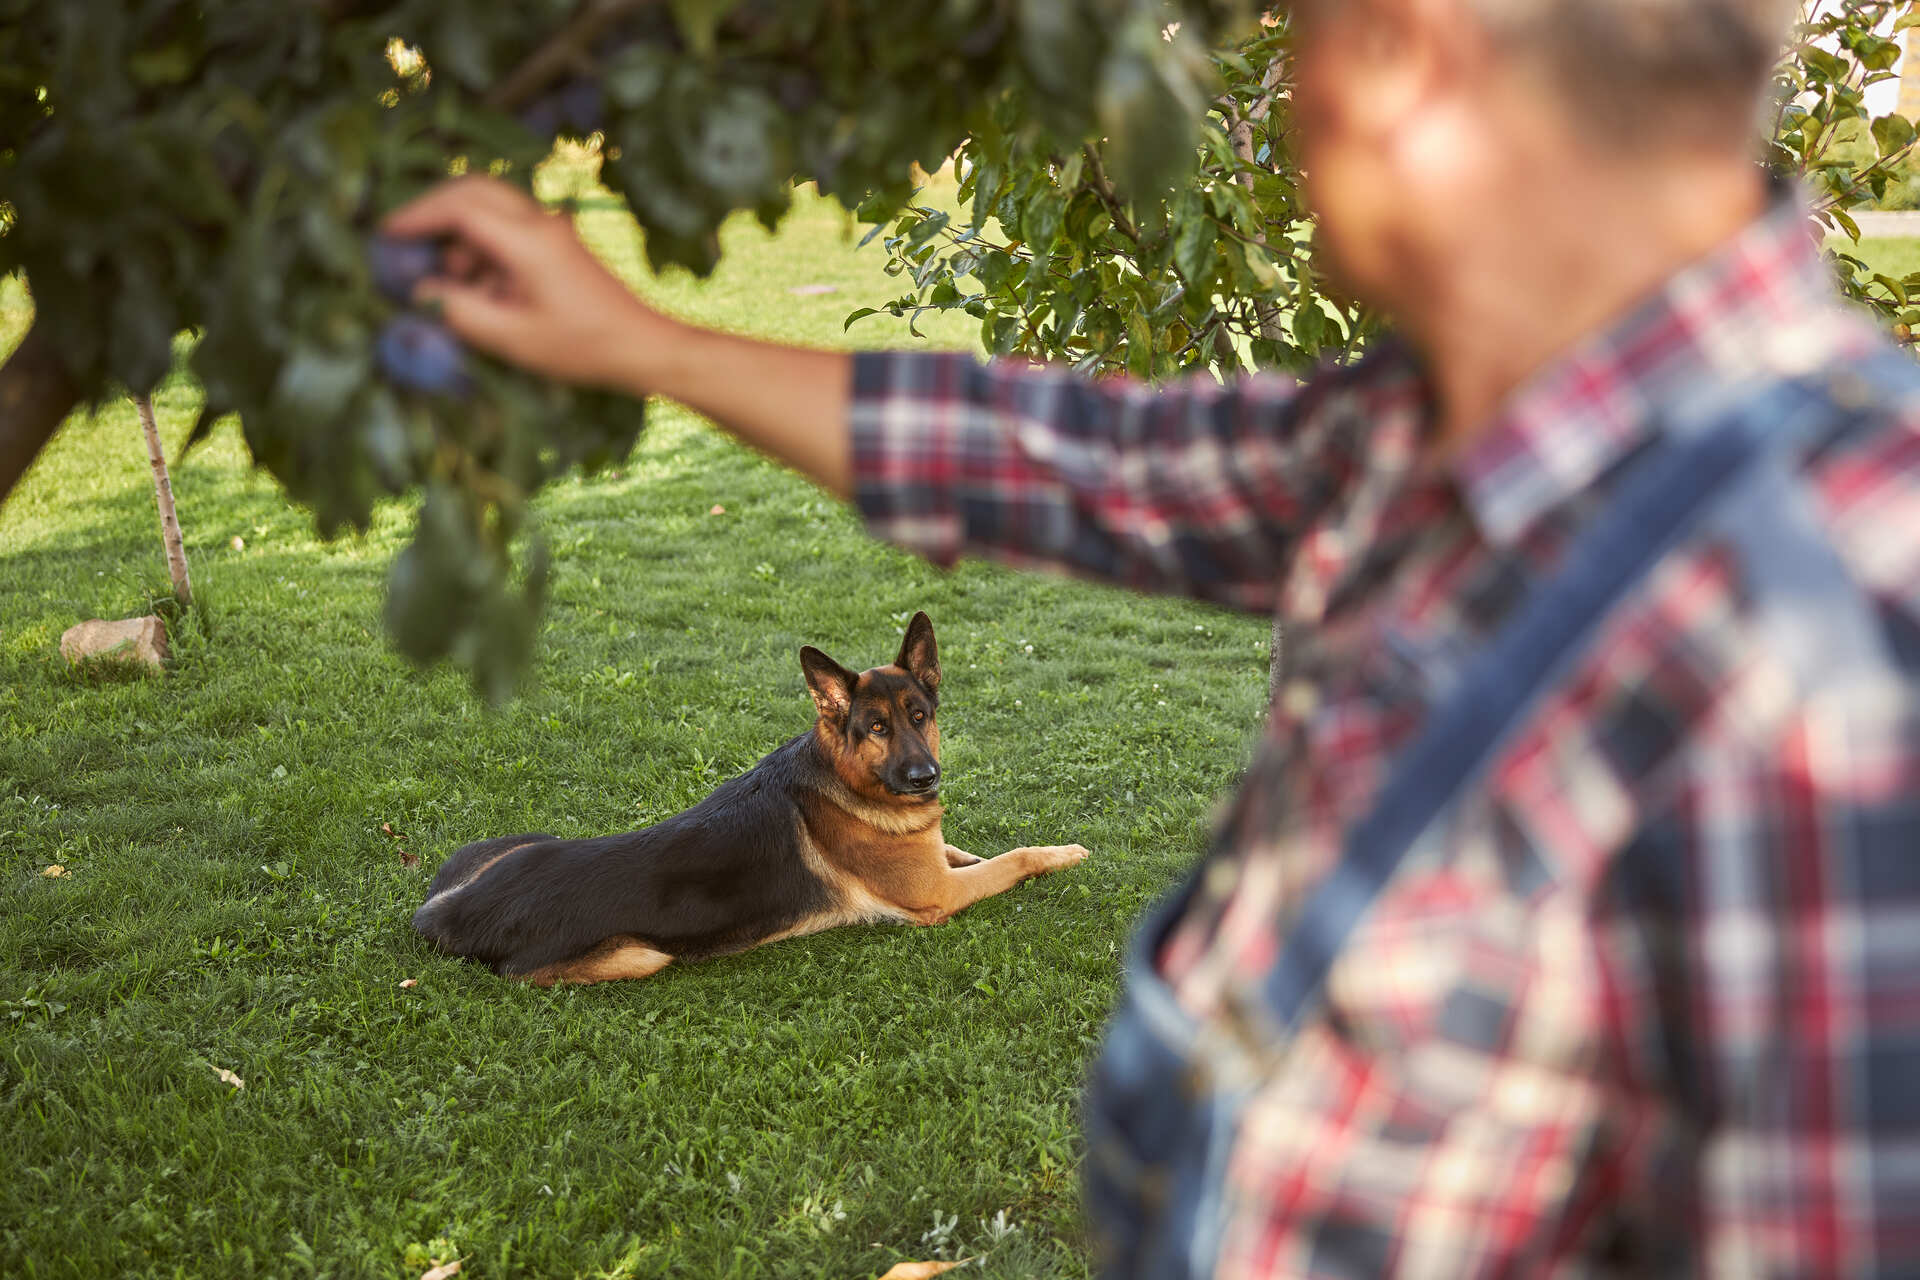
1193 488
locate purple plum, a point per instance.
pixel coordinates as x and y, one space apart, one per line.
541 117
418 354
580 105
398 265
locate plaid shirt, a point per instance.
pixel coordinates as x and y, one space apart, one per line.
1657 1005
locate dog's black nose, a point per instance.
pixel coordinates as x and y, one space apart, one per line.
922 776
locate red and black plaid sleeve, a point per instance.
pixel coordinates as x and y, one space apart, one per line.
1196 488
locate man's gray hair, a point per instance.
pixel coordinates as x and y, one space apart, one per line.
1641 68
1638 70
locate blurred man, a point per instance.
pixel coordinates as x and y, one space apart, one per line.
1569 919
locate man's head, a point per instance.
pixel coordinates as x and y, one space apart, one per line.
1422 120
1631 69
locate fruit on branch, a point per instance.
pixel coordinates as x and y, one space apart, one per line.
418 354
541 117
398 264
575 107
580 105
216 167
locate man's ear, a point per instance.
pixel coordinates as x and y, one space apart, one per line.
919 656
830 684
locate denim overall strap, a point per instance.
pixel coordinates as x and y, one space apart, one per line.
1667 490
1165 1094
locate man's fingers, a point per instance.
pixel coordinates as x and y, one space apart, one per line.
486 214
461 262
475 313
460 194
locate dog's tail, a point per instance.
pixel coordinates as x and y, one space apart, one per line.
468 861
438 918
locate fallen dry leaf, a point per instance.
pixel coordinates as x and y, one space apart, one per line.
445 1271
409 984
55 871
409 859
717 510
386 829
921 1270
227 1077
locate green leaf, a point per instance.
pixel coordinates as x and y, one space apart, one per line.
383 433
636 77
1193 243
1311 328
316 384
699 20
1892 133
211 412
734 150
167 65
1139 344
1148 111
1822 66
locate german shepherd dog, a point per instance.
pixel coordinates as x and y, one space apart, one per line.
839 826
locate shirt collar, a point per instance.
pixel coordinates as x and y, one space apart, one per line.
1726 316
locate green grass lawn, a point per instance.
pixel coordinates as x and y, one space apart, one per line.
822 1107
1896 256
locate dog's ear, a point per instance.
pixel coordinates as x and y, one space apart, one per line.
830 684
918 653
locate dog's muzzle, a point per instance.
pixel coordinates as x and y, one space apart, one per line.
920 780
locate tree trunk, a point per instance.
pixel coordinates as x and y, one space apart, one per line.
163 498
36 395
1272 325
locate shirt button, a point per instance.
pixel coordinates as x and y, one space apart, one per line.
1300 699
1850 391
1194 1082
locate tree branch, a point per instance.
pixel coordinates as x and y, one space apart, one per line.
1103 188
1240 139
563 53
36 394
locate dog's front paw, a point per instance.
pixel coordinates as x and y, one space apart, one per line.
1056 857
961 858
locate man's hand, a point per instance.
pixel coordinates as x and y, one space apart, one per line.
519 284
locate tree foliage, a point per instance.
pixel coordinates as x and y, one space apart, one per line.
1059 260
1825 133
1130 204
216 167
1217 271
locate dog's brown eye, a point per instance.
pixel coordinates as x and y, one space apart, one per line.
919 717
877 727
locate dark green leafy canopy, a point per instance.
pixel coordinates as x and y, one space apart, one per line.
215 167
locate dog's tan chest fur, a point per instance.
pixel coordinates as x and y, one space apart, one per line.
875 870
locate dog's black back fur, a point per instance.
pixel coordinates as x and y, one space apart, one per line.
716 878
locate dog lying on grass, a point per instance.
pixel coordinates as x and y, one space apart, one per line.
839 826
